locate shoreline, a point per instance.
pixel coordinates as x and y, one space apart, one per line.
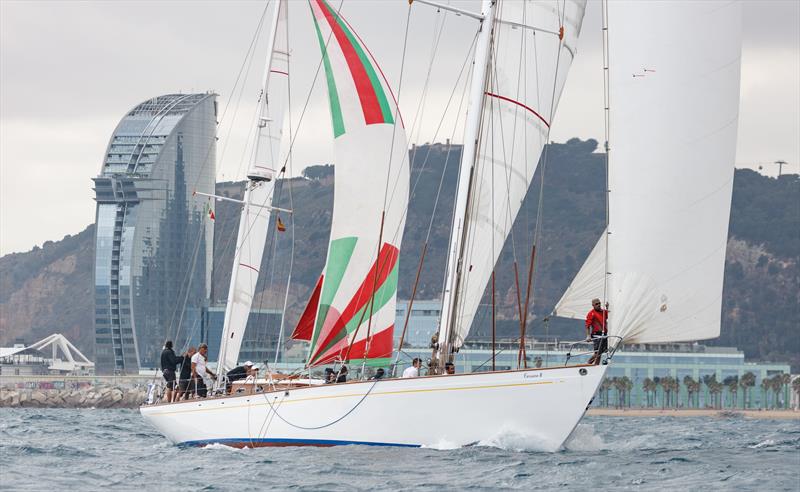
695 412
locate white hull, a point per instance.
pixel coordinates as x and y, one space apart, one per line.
543 404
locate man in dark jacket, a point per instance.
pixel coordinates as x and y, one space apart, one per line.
239 373
169 362
184 388
342 375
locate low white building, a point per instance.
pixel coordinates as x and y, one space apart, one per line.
52 355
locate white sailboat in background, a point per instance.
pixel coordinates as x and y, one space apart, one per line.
673 89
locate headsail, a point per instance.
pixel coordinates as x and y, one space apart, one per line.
264 168
359 283
674 90
533 47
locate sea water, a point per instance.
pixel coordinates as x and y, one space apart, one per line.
49 450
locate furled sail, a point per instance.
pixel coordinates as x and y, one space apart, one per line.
265 166
533 47
674 91
356 311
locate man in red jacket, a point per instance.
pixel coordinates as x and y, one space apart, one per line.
597 330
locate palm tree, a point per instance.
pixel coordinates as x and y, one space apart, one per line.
777 387
688 381
605 386
665 385
627 385
786 381
715 389
676 388
648 386
619 385
747 381
732 382
796 386
765 385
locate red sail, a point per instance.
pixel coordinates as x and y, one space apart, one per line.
305 327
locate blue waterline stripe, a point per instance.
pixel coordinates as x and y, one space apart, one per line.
292 442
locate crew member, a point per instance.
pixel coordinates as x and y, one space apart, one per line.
449 368
238 373
199 370
184 386
379 374
597 330
413 370
169 362
342 378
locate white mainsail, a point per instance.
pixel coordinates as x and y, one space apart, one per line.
263 170
674 92
356 303
533 46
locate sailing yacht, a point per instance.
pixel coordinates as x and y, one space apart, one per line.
671 90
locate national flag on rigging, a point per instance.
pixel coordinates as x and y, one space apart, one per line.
280 225
210 212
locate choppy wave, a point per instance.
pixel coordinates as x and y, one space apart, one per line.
221 447
513 440
101 449
763 444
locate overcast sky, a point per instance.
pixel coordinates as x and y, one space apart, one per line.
70 70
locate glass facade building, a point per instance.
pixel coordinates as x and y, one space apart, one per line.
422 324
260 335
154 239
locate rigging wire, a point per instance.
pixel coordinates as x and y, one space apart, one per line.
279 344
335 421
607 131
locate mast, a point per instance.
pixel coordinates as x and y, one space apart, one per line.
458 233
262 179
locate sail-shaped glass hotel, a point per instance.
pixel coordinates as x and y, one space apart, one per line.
154 240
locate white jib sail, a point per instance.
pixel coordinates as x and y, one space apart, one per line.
531 56
254 221
674 92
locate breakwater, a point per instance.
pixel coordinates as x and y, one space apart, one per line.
90 397
73 391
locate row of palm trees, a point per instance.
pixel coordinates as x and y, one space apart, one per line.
774 391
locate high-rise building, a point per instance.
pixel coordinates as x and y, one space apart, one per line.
154 239
260 335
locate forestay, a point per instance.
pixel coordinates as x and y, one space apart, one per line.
533 47
255 217
674 91
359 284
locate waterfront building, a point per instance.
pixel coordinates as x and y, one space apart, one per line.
424 322
260 336
153 239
